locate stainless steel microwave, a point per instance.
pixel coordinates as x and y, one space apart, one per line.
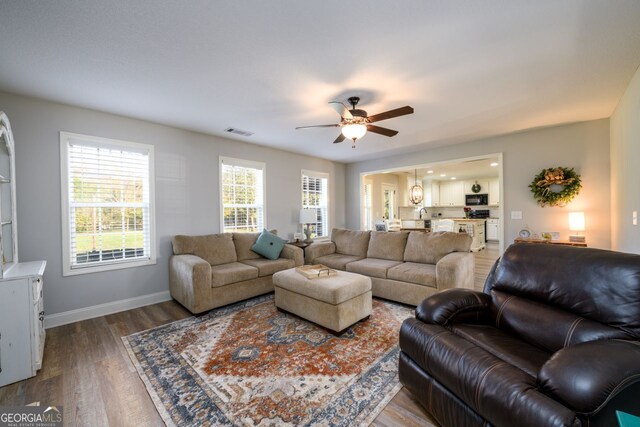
476 199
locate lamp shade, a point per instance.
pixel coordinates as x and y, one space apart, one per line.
308 216
354 131
576 221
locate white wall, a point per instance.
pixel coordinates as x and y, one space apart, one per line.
583 146
187 190
625 173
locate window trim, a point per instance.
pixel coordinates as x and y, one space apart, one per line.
67 270
246 164
322 175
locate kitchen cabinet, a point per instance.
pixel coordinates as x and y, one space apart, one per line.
484 186
431 191
452 193
494 192
493 229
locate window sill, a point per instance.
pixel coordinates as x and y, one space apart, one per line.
68 271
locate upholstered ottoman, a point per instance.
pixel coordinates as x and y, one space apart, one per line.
335 302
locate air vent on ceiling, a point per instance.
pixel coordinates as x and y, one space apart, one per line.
238 131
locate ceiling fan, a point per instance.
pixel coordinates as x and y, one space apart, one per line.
355 123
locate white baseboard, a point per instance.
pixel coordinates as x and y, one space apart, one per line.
85 313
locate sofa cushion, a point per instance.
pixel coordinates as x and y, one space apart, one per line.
555 328
232 272
337 261
429 248
266 267
502 393
598 285
216 249
350 242
244 242
387 245
421 274
372 267
268 245
504 346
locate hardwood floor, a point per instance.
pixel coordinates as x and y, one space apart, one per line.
87 370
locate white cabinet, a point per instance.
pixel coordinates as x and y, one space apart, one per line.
492 229
452 193
494 192
431 193
21 307
22 331
484 186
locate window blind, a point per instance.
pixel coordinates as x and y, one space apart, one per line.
109 203
242 197
315 195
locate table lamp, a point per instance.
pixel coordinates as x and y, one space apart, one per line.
308 216
576 224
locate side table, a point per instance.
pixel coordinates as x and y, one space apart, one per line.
550 242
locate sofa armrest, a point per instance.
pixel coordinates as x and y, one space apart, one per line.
190 281
586 376
453 305
293 252
318 249
455 270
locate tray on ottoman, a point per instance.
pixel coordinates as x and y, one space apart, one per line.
334 302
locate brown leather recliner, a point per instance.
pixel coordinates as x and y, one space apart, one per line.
554 340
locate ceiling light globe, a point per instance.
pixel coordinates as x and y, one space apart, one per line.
354 131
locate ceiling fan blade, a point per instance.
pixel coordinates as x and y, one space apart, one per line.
340 138
318 126
381 131
341 109
390 114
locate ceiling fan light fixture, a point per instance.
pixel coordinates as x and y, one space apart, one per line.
354 131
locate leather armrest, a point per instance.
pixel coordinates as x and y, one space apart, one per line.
318 249
586 376
293 252
451 305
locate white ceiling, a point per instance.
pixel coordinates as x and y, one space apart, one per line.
470 69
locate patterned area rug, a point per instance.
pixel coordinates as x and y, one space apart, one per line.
249 364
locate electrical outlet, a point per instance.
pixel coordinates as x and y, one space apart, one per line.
634 218
516 214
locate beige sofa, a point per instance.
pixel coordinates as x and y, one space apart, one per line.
403 266
210 271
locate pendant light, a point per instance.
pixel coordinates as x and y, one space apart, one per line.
416 193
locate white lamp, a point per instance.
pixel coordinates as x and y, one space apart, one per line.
576 223
354 131
308 216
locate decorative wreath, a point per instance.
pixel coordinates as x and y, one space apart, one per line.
555 186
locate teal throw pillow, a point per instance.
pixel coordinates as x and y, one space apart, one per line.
268 245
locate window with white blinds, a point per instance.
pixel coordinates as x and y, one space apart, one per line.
108 213
242 193
315 195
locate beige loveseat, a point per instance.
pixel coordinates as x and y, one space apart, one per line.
403 266
210 271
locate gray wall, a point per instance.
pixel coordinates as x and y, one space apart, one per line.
625 173
583 146
187 192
